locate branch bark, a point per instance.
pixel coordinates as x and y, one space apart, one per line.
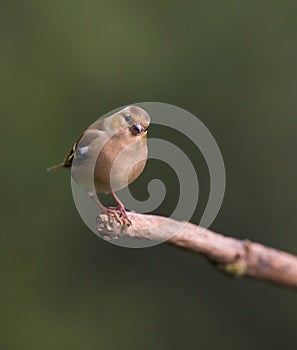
232 256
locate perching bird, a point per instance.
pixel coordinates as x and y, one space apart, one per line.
110 155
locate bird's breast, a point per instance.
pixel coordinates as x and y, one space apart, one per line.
119 163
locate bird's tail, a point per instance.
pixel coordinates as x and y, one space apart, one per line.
67 162
57 167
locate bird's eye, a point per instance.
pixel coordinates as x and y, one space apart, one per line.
128 118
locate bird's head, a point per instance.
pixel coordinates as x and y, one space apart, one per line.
132 121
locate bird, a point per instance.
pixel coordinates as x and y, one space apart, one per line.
109 155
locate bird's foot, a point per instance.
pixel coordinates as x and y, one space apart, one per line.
120 214
124 217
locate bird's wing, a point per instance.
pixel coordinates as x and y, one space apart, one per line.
81 147
94 131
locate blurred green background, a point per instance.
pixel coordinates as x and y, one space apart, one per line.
65 63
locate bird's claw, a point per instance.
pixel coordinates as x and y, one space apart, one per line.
120 214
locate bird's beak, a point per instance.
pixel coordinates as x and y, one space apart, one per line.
136 129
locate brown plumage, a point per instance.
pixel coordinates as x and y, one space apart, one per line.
110 154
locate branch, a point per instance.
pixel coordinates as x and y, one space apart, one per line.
230 255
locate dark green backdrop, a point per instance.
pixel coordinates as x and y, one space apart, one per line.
65 63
